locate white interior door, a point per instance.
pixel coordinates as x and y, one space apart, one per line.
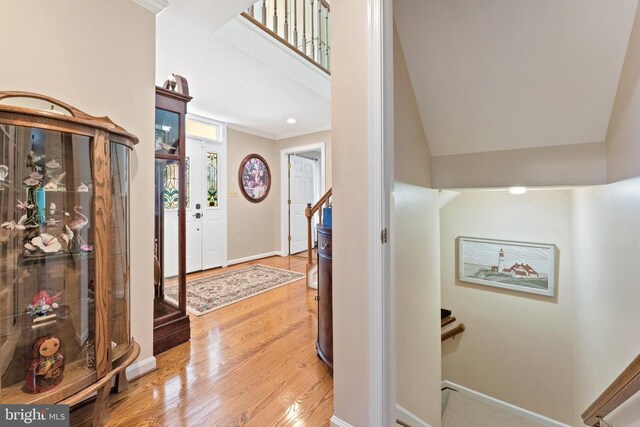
213 214
193 173
301 192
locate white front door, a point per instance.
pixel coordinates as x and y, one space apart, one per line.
193 204
206 219
213 214
301 191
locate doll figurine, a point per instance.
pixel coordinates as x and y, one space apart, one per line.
46 367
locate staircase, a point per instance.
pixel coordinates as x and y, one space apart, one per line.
463 410
311 212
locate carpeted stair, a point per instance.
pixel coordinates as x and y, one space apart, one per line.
462 410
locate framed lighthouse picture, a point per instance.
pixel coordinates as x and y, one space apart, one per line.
519 266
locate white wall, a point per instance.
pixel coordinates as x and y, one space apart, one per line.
606 230
98 56
412 157
623 134
578 164
517 347
417 300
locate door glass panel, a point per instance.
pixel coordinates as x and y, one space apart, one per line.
47 269
167 233
167 132
212 180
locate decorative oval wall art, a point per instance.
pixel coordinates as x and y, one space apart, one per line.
254 178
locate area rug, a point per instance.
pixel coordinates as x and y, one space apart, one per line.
219 290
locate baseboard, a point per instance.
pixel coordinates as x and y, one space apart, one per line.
141 367
408 418
504 405
337 422
253 257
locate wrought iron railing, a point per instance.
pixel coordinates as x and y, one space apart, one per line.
302 25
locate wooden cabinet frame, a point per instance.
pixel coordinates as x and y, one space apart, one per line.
172 327
104 134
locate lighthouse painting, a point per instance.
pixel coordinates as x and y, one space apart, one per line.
519 266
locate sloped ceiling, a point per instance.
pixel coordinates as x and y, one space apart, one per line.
501 74
203 41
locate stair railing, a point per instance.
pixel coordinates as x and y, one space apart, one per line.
301 25
451 333
310 212
621 389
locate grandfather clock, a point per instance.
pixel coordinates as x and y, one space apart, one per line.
171 321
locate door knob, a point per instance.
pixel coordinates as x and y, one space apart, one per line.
198 215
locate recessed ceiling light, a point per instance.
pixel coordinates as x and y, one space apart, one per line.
518 190
291 121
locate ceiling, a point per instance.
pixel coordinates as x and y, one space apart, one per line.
501 74
238 74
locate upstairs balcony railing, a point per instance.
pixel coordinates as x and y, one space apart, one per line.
302 25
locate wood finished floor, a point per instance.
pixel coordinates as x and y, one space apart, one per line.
252 363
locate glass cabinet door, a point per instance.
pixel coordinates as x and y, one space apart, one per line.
168 233
119 250
167 132
47 269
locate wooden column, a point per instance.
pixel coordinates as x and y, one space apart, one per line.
309 236
102 218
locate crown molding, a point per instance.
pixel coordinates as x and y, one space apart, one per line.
155 6
301 132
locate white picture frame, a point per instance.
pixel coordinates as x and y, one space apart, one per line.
518 266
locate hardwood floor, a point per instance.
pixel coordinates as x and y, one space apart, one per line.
252 363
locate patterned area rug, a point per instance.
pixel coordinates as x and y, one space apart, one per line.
217 291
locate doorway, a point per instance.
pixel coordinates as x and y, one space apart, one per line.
303 183
206 203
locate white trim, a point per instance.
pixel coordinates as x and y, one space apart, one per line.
251 131
253 258
337 422
155 6
140 368
279 137
302 132
382 405
504 405
284 185
408 418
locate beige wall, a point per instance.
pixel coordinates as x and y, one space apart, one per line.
623 135
312 138
517 347
253 228
578 164
349 112
416 243
416 256
412 157
99 57
606 230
